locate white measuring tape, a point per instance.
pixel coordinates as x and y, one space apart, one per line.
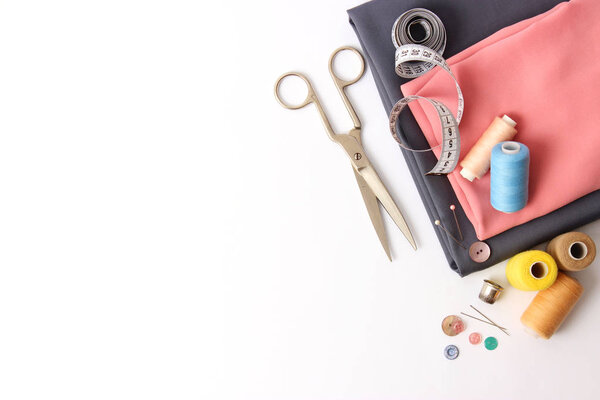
433 34
414 57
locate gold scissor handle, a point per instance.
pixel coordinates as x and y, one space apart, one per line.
341 84
310 96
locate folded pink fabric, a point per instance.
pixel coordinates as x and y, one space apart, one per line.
543 72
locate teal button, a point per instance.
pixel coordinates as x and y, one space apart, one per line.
491 343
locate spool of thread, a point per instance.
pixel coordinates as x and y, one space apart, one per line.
550 307
531 270
573 251
509 183
477 161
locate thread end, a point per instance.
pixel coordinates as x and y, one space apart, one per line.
467 174
509 120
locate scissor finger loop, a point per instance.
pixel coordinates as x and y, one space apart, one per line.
342 82
310 96
372 188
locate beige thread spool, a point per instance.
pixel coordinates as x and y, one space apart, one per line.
551 306
573 251
477 161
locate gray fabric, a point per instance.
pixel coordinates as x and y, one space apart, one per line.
467 22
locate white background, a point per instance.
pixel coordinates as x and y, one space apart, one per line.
168 231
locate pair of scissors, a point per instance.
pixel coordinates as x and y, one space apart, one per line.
371 186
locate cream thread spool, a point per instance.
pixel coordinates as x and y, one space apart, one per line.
551 306
477 161
573 251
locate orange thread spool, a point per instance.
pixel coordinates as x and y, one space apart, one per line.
551 306
477 161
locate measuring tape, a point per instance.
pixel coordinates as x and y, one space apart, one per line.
414 57
433 29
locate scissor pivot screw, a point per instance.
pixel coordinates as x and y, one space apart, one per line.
357 156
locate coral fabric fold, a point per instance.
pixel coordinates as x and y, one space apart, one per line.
543 73
467 22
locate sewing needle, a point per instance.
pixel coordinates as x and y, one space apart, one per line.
484 316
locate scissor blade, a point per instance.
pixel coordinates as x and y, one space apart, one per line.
374 212
378 188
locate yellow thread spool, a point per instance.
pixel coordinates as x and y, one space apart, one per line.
573 251
477 161
550 307
531 270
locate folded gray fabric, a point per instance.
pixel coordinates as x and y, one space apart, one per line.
467 22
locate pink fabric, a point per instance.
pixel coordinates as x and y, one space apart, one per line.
542 72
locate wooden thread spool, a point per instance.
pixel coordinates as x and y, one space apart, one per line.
477 161
551 306
573 251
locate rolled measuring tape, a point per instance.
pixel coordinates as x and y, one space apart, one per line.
414 57
430 33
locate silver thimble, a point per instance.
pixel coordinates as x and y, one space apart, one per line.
490 291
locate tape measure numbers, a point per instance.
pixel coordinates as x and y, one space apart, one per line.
415 59
451 143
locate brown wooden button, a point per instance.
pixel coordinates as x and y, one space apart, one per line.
479 252
452 325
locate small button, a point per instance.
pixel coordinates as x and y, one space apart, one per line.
451 352
491 343
479 252
475 338
452 325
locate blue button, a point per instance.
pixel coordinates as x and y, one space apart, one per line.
451 352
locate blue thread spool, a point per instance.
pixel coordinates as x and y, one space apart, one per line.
509 176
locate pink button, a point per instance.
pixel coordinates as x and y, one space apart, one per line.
479 252
458 326
475 338
452 325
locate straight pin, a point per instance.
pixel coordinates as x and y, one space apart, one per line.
439 223
453 207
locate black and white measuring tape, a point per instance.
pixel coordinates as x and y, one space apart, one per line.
420 38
